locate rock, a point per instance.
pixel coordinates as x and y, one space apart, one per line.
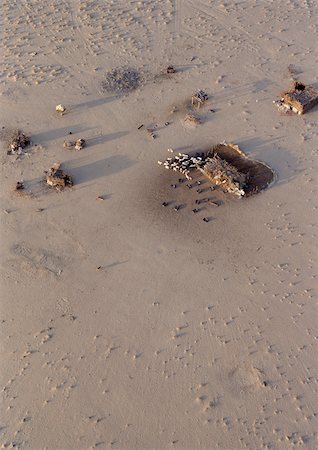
69 144
60 109
19 185
170 69
80 143
57 178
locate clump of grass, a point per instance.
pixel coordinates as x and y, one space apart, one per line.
121 80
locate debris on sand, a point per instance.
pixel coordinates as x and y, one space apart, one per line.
69 144
151 132
191 120
170 69
225 166
21 190
299 99
57 178
199 98
19 185
78 145
121 80
16 141
60 109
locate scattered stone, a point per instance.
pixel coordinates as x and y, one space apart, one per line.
19 185
170 69
192 120
167 123
60 109
100 198
140 126
78 144
206 219
69 144
57 178
151 132
164 204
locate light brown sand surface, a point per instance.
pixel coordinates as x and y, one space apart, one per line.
132 326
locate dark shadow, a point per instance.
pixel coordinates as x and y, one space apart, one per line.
250 145
262 85
284 164
105 196
114 264
187 67
98 169
105 138
243 90
93 103
184 149
58 133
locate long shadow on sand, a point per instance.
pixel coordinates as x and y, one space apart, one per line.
58 133
96 140
93 103
282 161
83 173
243 90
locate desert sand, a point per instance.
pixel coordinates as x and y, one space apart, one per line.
124 324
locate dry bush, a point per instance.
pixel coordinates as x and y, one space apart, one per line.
121 80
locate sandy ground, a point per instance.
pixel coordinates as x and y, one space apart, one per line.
132 326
